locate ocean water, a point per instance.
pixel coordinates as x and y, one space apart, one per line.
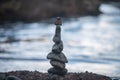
91 43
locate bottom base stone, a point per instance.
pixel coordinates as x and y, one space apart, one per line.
55 77
57 71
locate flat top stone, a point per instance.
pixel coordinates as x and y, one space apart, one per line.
58 21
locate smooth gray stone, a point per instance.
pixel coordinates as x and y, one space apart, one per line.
57 36
57 47
56 39
59 57
57 71
12 78
57 64
2 76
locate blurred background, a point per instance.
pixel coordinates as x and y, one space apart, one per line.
90 33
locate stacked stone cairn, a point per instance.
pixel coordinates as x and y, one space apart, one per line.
57 58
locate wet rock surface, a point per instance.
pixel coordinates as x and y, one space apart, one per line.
35 75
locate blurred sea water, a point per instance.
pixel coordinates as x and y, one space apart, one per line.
90 44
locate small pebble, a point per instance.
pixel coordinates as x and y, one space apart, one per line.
2 76
12 78
115 79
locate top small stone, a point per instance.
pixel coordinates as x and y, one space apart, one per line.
58 21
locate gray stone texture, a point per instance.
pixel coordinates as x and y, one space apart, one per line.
57 48
57 64
58 57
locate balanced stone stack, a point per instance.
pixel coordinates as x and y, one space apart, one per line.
57 58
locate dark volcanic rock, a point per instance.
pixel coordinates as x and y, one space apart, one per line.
35 10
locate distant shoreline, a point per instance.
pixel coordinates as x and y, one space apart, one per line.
37 10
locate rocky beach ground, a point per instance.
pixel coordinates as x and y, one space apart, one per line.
35 75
